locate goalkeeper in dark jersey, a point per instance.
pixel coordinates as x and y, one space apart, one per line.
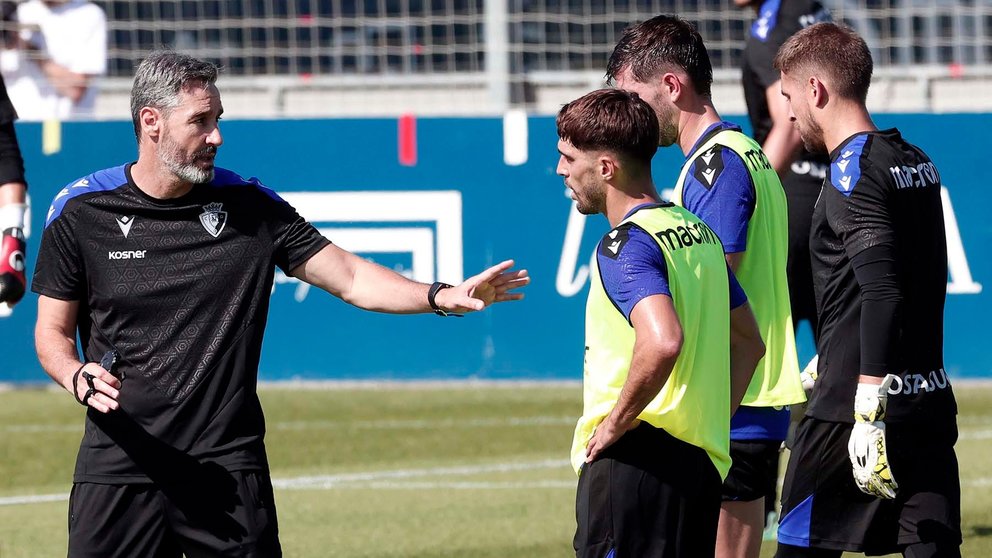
873 468
164 266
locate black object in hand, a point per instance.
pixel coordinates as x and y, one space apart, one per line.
109 363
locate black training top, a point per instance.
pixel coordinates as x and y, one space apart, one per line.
880 276
777 21
180 288
11 161
7 112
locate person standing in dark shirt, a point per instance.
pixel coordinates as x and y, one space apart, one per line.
13 210
802 172
873 467
165 267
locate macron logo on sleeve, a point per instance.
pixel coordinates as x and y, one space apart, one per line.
614 241
845 169
100 181
767 19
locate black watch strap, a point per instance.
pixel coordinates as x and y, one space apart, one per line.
435 287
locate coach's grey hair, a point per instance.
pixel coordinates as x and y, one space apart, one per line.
161 76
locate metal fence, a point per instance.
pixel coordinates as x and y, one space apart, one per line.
503 51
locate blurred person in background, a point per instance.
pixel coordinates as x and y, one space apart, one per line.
728 182
671 345
802 172
51 61
13 210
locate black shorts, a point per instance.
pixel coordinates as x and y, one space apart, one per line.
650 494
801 192
754 471
823 508
127 520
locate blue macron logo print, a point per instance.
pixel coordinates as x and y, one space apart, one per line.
845 170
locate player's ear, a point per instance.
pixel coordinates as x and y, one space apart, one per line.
151 121
672 85
817 92
608 167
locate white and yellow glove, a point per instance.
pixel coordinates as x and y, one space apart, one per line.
808 375
869 458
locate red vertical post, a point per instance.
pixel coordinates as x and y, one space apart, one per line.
408 140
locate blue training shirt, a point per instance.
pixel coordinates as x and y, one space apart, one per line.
640 271
719 190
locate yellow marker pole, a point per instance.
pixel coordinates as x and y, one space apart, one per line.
51 136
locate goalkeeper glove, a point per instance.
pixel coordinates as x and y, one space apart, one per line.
869 457
11 266
809 374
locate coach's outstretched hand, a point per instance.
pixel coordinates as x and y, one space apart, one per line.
479 291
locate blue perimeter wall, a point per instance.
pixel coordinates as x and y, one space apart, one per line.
507 211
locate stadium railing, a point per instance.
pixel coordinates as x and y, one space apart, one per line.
469 57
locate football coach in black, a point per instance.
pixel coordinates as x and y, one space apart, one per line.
164 266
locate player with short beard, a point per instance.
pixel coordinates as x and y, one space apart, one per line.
873 467
671 345
729 183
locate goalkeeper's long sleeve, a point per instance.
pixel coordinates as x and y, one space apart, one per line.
877 274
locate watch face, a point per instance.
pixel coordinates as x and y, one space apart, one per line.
437 286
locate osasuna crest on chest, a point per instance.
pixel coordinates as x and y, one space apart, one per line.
213 218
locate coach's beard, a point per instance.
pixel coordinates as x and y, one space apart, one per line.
185 168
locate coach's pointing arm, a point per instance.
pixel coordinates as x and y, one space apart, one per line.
373 287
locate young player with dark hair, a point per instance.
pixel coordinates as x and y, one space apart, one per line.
670 346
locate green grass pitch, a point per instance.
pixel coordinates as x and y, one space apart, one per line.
399 471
